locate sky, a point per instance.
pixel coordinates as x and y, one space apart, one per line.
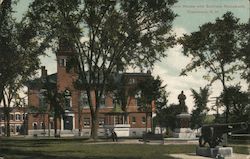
191 15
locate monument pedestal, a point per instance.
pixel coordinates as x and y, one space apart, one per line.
184 133
183 129
213 152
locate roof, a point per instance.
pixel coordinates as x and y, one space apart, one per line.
37 83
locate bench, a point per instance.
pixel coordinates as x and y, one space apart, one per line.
152 137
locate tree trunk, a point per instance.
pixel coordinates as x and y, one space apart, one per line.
8 124
94 125
224 90
6 118
146 122
49 126
79 120
44 129
55 126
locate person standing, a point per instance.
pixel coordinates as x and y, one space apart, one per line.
114 136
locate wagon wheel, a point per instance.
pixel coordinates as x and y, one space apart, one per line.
202 141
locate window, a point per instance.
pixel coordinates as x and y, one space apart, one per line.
133 120
84 99
34 125
68 99
131 81
67 102
102 101
12 128
42 125
24 116
62 62
42 98
11 116
86 122
143 119
18 117
101 121
2 116
2 130
52 125
18 127
138 99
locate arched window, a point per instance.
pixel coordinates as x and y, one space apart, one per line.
18 116
68 99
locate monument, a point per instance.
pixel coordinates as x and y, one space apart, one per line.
182 129
213 136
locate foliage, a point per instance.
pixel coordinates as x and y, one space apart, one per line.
118 85
19 56
215 48
200 110
150 92
244 52
55 101
106 36
167 115
238 101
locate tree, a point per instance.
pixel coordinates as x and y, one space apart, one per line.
56 101
160 105
106 36
200 108
244 55
238 103
19 57
150 91
167 115
214 48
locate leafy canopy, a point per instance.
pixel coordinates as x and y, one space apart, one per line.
214 48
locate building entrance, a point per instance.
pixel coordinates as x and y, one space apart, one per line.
68 123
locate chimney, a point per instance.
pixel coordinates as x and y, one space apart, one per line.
43 72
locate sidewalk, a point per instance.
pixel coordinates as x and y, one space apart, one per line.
193 156
137 141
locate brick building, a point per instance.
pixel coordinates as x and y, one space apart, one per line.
18 121
77 118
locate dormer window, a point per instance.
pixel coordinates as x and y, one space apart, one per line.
132 81
62 62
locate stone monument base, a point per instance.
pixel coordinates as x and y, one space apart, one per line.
186 133
183 128
213 152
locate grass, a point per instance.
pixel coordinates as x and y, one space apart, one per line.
83 149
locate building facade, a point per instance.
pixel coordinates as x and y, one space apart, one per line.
128 121
18 121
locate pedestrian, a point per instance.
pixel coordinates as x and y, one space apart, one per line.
114 136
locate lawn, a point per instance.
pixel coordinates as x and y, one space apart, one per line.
75 149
